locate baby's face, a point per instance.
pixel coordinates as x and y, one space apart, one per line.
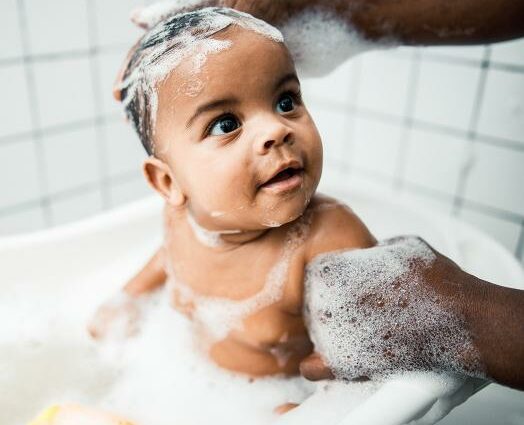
239 143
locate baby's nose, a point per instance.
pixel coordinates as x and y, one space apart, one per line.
275 135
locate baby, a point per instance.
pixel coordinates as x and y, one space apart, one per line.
215 99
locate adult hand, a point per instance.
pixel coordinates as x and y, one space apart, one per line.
402 306
415 22
274 12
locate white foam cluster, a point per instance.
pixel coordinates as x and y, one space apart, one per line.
369 314
175 38
216 317
319 41
148 16
207 237
163 380
118 317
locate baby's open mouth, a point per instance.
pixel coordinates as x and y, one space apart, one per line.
287 179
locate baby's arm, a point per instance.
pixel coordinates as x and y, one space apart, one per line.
334 227
149 278
122 311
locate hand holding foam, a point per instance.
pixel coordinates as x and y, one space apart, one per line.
319 35
388 309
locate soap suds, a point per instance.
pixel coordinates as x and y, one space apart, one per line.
119 317
369 314
320 41
164 380
169 42
216 317
207 237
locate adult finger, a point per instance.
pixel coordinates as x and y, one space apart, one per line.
314 368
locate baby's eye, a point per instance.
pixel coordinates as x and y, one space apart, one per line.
224 125
286 103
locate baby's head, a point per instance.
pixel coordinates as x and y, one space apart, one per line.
215 99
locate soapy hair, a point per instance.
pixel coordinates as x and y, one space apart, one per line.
163 47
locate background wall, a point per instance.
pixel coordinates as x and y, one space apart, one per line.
444 126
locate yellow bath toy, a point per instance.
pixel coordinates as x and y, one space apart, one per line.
76 415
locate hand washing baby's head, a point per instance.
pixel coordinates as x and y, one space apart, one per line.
215 99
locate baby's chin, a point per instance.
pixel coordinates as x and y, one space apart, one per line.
285 211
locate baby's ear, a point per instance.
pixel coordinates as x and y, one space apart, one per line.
161 179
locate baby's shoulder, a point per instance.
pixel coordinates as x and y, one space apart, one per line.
335 226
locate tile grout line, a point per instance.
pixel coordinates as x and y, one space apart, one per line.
443 196
407 123
347 153
100 128
59 128
34 115
127 176
519 250
61 55
467 166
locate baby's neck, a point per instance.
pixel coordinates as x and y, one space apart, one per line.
222 239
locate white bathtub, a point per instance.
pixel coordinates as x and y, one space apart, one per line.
52 280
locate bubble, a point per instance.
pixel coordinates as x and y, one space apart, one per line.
382 316
217 316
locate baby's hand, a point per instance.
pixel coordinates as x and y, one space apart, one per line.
118 317
387 309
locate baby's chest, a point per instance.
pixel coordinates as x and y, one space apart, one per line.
260 297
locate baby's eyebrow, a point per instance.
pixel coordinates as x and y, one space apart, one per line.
292 76
223 103
216 104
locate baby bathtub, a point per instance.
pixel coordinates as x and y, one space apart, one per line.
57 273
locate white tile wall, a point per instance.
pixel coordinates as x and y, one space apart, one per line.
497 178
130 189
110 63
80 205
14 108
56 26
334 128
400 120
384 82
502 112
446 93
19 177
64 91
473 53
124 150
510 52
438 204
376 146
435 161
113 24
27 220
71 160
10 46
338 86
504 231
